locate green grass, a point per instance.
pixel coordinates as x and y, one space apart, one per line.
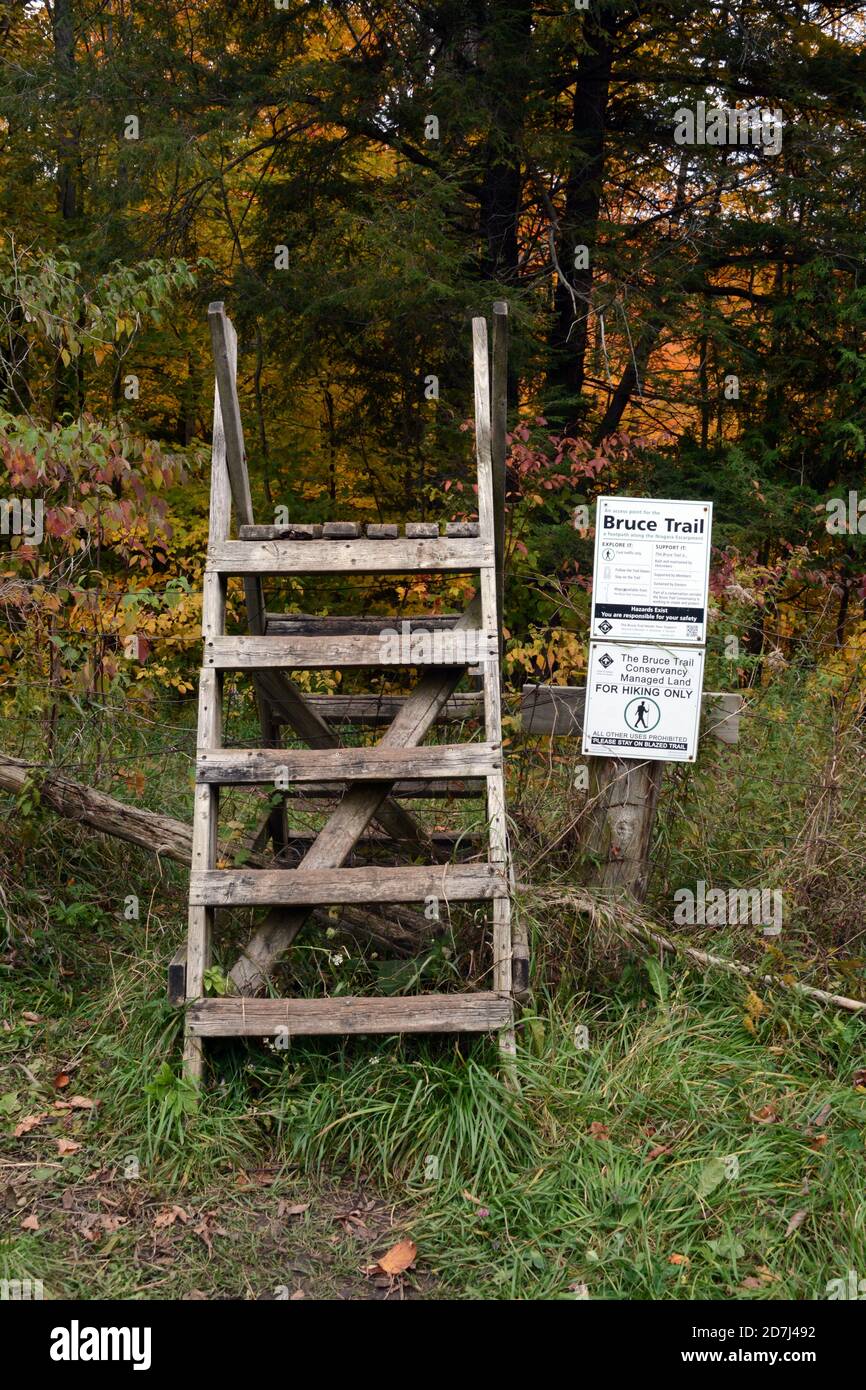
698 1140
529 1192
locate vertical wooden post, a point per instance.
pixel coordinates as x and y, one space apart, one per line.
623 798
496 823
498 447
205 825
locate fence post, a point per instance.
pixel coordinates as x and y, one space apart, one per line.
623 799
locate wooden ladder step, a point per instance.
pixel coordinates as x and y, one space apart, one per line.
438 788
309 625
383 709
422 1013
349 556
226 766
310 887
376 841
465 647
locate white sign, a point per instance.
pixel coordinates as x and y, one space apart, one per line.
643 701
652 569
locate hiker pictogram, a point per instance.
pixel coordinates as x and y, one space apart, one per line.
642 714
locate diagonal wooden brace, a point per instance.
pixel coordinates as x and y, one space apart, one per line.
349 821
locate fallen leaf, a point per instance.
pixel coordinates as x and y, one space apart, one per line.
168 1216
765 1116
679 1260
82 1102
61 1079
67 1146
352 1222
283 1208
818 1142
796 1222
398 1258
859 1077
30 1223
31 1018
657 1152
29 1122
598 1131
207 1230
299 1293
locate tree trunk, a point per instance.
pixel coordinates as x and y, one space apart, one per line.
578 227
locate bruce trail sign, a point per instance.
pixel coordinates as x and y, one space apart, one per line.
643 701
652 565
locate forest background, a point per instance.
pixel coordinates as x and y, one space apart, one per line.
355 181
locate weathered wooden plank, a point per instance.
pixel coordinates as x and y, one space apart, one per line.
382 709
290 531
438 788
421 530
382 531
423 1013
254 653
270 765
558 709
341 530
461 529
349 557
305 887
328 625
375 842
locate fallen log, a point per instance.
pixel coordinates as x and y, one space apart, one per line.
162 835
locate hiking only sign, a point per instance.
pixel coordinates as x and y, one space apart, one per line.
643 701
652 567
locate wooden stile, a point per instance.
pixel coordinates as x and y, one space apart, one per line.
368 780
